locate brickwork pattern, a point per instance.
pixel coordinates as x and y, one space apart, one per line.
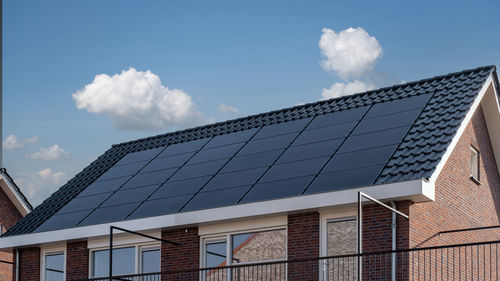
77 261
29 264
184 256
303 242
9 215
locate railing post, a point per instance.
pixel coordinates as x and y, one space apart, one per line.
110 253
360 233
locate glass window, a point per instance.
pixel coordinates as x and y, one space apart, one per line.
341 240
215 253
474 163
150 260
123 262
54 267
258 246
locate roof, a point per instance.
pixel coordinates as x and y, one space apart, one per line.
392 134
14 193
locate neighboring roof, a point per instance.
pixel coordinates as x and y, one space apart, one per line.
14 193
387 135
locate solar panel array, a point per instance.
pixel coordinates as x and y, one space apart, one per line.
333 151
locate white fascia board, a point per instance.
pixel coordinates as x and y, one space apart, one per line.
491 111
461 129
14 195
415 190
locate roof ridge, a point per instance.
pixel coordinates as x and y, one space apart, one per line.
320 102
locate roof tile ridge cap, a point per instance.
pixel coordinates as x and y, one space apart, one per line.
183 131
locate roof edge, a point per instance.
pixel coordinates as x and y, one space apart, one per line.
23 205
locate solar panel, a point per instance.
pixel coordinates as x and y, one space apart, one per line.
198 169
183 147
149 178
163 206
311 150
143 155
84 203
109 214
220 152
282 128
260 145
360 158
238 178
216 198
104 186
294 169
241 136
123 170
167 162
326 182
384 122
374 139
176 188
338 117
252 160
124 196
325 133
277 189
400 105
60 221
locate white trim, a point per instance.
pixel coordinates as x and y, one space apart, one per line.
461 129
243 225
491 111
15 197
50 250
328 216
122 239
415 190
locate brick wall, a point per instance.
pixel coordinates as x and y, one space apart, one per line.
303 242
9 215
185 256
29 264
77 261
460 202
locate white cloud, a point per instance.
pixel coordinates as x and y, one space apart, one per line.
224 108
350 53
32 139
136 100
40 185
11 142
342 89
50 153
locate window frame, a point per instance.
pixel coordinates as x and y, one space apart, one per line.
228 238
52 251
475 152
332 216
138 248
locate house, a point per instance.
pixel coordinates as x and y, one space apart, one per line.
281 189
13 207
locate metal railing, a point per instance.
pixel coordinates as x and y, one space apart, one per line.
473 261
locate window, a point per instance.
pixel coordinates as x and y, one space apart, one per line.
474 163
53 266
125 262
243 248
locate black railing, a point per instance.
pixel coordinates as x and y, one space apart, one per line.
473 261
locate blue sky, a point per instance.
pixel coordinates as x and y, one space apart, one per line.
251 56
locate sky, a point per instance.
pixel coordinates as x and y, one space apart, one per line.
79 76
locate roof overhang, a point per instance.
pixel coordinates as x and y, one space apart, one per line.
14 194
415 190
488 100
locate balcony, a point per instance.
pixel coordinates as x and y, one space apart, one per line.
473 261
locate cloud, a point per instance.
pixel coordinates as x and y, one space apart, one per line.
32 139
11 142
137 100
350 53
40 185
342 89
50 153
224 108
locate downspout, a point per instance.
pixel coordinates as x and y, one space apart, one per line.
17 264
394 228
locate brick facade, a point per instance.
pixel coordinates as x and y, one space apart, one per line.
77 263
9 215
184 256
303 242
29 264
461 202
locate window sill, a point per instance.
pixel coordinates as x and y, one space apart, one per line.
476 181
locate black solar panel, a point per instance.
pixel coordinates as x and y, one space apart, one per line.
328 152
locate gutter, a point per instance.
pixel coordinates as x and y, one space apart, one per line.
394 232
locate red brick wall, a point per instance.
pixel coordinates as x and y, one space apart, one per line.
184 256
29 264
303 242
9 215
460 202
77 261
